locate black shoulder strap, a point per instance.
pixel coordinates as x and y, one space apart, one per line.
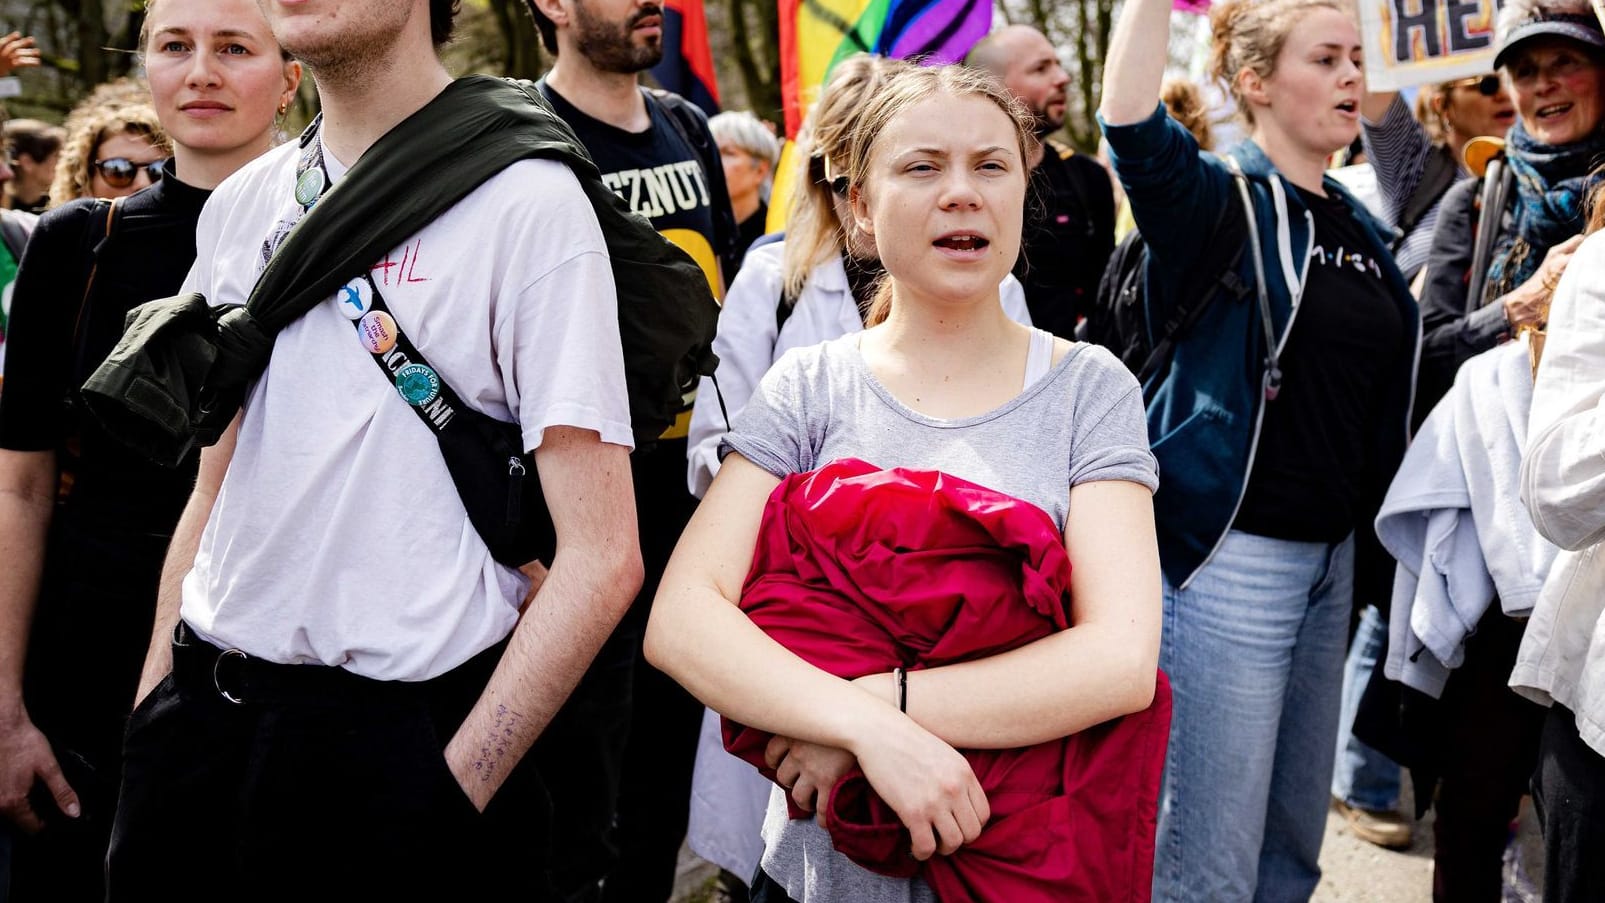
1188 311
784 310
98 228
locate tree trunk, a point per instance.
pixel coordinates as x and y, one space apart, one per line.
757 52
520 40
92 62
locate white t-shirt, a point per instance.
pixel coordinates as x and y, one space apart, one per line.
338 537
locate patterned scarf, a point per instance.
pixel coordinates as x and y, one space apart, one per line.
1552 185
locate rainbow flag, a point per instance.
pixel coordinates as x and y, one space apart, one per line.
815 34
687 64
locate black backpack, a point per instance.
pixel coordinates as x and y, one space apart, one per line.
1118 318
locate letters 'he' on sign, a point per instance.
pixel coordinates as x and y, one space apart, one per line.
1416 42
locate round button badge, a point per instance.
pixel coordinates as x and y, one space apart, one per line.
418 384
378 332
355 299
309 186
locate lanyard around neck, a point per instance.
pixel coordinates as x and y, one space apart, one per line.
361 302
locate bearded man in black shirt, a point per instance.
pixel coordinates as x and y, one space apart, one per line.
1070 204
619 755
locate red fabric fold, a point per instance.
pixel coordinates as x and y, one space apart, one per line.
859 570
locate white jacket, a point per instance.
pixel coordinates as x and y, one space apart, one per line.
1562 657
1453 519
747 343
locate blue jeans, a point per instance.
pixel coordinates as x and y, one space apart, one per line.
1364 778
1254 649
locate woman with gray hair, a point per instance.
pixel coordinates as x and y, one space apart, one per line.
1552 56
749 150
1498 252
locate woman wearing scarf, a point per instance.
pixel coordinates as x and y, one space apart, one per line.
1552 54
1478 743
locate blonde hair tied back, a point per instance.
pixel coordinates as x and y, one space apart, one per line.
814 234
1249 34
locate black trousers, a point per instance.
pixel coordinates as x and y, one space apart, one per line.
1569 795
318 784
766 890
1490 749
96 604
626 740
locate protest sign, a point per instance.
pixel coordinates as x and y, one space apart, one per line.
1417 42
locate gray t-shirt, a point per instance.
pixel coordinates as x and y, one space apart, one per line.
1081 422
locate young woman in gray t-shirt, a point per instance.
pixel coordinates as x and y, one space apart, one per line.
942 380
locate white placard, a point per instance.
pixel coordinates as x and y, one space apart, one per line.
1420 42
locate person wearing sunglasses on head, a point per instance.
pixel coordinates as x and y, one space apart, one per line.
79 589
1418 157
1552 58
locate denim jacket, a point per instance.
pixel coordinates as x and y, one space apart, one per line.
1204 419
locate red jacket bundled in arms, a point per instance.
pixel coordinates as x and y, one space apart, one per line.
860 570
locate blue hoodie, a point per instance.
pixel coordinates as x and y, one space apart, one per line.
1204 419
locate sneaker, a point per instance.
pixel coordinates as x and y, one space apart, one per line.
1388 830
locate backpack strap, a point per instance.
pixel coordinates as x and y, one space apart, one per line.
1273 369
1226 282
1187 313
98 228
784 309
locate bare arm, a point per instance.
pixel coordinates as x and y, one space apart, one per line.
593 576
27 496
181 558
1135 67
1101 668
701 638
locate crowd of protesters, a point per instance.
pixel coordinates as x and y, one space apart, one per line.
973 555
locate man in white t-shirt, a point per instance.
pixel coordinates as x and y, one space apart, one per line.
352 679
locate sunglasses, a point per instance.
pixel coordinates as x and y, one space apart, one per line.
1486 85
821 171
120 172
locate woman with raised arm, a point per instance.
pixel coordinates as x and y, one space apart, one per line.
87 564
941 380
1282 417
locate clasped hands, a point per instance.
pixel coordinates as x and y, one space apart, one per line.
927 783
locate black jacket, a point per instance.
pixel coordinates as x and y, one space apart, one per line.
1450 336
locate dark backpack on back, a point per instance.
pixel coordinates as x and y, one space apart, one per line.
1118 319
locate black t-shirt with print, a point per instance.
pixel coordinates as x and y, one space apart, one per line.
1317 444
1069 233
660 175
